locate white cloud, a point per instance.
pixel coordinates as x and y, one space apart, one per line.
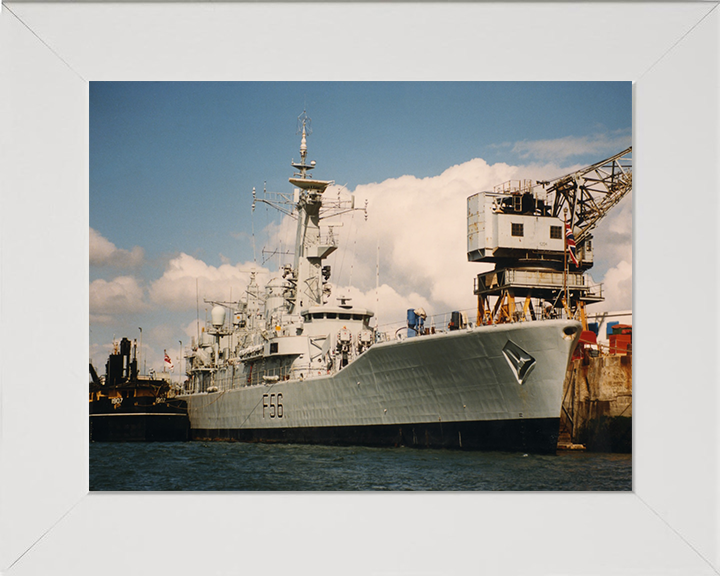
389 306
420 226
193 329
617 289
122 295
163 333
560 149
105 253
176 288
98 356
613 235
613 252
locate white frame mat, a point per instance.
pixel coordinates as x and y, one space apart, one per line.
49 524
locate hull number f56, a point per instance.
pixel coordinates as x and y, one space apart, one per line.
272 405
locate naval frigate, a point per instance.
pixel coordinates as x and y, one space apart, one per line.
282 364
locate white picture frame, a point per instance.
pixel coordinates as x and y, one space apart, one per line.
49 523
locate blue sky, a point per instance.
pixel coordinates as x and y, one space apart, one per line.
172 167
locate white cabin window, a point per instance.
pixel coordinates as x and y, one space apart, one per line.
517 229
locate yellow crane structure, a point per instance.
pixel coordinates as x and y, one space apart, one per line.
538 235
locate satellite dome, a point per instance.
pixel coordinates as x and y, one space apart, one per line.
218 316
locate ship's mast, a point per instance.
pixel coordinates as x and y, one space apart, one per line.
306 279
304 128
310 248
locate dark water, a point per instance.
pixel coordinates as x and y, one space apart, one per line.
238 466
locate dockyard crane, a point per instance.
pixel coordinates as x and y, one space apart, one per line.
591 192
524 227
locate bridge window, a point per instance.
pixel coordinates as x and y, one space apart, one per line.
556 232
517 230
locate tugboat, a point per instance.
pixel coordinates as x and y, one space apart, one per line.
127 407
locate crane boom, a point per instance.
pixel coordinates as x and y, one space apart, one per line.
591 192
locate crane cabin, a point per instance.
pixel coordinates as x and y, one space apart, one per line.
514 222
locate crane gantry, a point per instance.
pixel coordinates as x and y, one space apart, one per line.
522 227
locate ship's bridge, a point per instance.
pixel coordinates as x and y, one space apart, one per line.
342 331
324 319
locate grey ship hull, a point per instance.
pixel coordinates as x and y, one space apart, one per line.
490 387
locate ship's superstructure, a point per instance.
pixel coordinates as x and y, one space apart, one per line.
290 363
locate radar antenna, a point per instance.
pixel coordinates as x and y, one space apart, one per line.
304 127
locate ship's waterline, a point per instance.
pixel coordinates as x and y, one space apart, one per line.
469 389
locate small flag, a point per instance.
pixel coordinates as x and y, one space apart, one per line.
168 362
570 243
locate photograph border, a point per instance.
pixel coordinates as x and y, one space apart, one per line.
669 524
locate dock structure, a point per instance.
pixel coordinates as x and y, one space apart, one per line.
597 404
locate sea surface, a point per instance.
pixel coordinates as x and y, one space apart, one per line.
231 466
